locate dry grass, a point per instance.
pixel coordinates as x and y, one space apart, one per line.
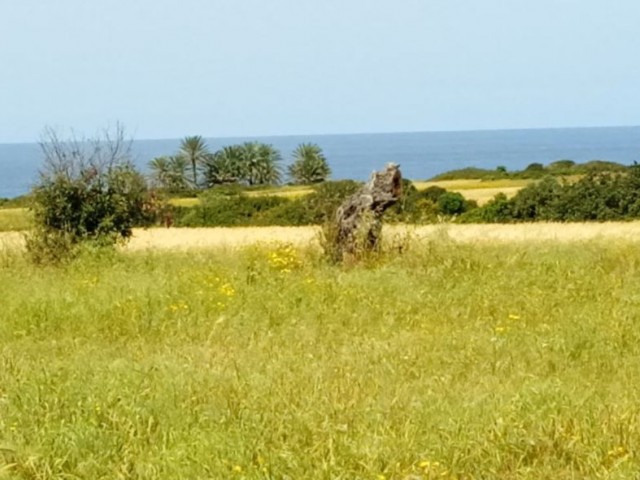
190 238
483 195
15 219
181 239
479 190
286 191
184 202
473 184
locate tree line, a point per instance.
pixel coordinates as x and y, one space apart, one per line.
195 166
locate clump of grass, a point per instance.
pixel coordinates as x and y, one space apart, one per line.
456 361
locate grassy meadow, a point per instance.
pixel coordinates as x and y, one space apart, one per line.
469 361
15 219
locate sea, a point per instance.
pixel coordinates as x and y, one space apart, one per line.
421 155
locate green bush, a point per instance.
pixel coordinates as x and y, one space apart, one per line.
88 191
468 173
452 203
229 211
537 201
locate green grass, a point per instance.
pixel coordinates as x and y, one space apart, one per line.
518 362
15 219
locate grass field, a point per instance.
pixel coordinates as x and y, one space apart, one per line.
14 219
486 360
479 190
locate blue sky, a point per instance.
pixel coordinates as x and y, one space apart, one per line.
168 68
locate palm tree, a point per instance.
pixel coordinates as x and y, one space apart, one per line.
195 151
262 163
159 167
169 172
309 164
178 173
225 166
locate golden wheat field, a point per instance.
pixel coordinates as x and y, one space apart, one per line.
239 237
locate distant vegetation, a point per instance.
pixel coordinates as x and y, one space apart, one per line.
595 196
194 166
533 171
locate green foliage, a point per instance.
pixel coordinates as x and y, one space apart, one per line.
309 165
327 197
170 173
534 171
562 167
468 173
262 163
232 206
251 163
452 203
225 166
433 193
194 152
229 210
599 166
594 197
88 191
415 206
537 201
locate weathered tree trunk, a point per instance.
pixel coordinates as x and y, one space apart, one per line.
358 221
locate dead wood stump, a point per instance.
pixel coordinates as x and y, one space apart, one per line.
358 221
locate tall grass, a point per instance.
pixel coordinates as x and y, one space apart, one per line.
15 219
451 361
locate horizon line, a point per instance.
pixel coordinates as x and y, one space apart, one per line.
398 132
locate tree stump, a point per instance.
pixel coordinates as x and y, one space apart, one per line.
358 221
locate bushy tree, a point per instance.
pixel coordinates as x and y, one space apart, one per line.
538 201
452 203
88 190
309 165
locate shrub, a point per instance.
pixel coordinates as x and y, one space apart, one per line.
562 167
496 210
467 173
452 203
229 211
538 201
433 193
87 191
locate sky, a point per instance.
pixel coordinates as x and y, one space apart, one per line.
220 68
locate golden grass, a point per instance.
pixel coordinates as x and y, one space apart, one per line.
184 202
473 184
219 237
15 219
483 195
479 190
181 239
286 191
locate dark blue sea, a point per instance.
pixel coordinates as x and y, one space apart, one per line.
421 155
